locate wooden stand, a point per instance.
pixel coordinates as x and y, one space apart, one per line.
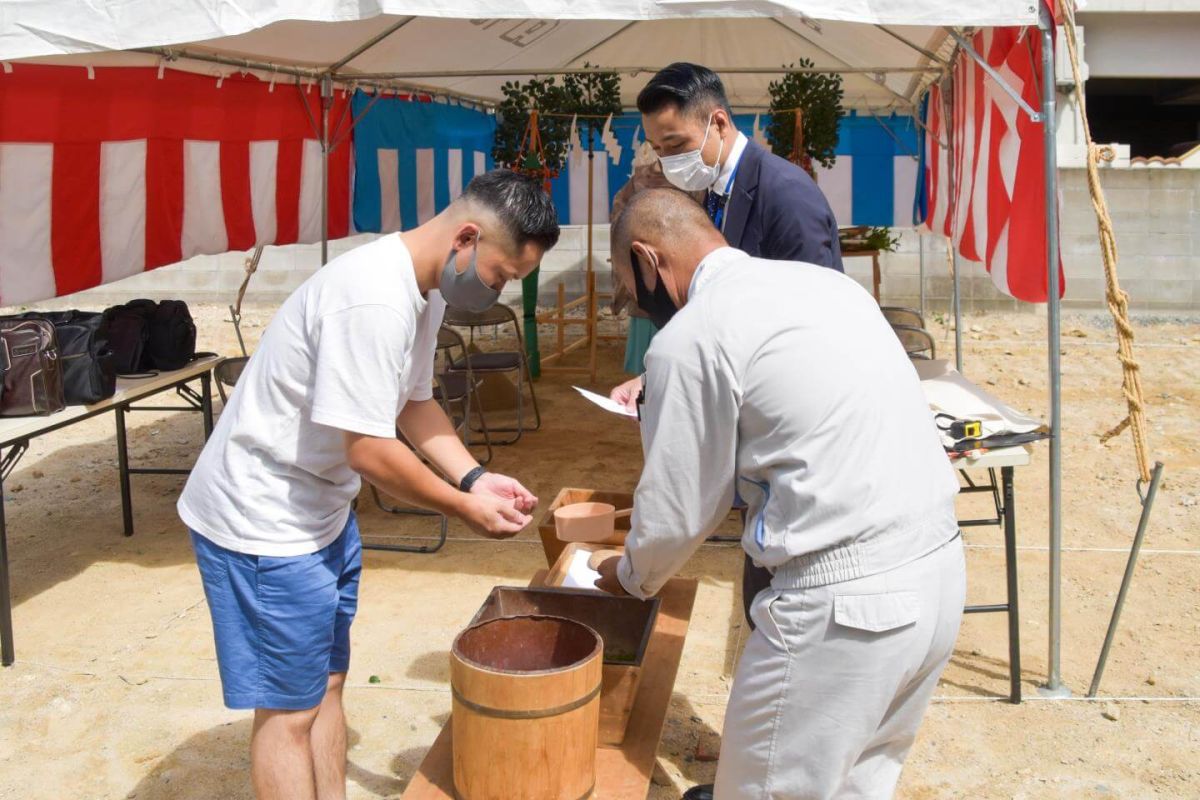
590 297
622 773
875 273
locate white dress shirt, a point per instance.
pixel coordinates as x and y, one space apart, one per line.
725 180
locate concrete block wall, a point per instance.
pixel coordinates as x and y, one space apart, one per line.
1156 217
1156 214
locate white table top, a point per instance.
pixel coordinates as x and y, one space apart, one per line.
930 372
14 429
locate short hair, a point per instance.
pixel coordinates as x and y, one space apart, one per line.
520 204
691 88
659 216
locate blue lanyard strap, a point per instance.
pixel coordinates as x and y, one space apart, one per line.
719 217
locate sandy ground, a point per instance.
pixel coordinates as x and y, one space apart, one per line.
115 691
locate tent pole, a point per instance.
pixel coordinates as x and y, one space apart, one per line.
921 272
367 45
1054 686
951 188
326 102
591 276
952 254
958 355
505 72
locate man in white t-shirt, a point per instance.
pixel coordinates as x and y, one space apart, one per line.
346 362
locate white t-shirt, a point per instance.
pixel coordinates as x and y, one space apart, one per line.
345 352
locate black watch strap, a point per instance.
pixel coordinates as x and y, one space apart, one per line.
469 479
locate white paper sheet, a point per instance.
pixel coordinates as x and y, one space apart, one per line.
606 404
950 393
579 574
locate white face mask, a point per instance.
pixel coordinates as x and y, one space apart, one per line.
687 171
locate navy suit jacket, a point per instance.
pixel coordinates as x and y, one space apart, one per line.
776 211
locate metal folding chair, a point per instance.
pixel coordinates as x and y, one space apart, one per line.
497 362
918 342
227 374
460 389
900 315
451 389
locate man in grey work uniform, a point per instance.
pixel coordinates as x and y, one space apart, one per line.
764 206
784 379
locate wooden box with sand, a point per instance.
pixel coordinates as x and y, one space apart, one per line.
624 624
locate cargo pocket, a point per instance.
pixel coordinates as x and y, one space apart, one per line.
876 613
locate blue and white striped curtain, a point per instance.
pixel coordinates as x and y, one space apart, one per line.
873 181
411 159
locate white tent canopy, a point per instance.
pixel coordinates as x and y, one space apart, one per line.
888 50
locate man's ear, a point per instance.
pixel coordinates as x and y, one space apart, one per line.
646 259
467 234
722 121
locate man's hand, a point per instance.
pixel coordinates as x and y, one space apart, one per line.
605 562
505 488
626 394
492 516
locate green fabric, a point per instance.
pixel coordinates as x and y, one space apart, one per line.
641 333
529 298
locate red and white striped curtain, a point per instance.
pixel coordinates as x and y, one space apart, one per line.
108 172
986 190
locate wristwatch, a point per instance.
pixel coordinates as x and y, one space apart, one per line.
469 479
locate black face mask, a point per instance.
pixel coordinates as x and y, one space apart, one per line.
657 304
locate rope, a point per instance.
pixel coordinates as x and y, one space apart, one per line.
1116 298
251 266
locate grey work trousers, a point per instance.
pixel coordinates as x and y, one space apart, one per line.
835 680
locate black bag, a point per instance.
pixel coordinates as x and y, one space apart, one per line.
129 335
88 374
172 336
31 368
146 336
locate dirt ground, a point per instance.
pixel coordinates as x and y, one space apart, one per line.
115 691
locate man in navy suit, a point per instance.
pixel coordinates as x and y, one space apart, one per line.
765 206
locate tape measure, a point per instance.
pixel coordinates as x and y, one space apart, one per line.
960 428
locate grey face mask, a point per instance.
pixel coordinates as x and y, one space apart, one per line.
465 290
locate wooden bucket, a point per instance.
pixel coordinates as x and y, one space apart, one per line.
526 699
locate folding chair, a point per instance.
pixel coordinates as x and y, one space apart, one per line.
460 389
497 362
899 315
918 342
450 389
443 526
227 374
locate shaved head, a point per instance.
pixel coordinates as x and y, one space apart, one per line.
667 232
657 217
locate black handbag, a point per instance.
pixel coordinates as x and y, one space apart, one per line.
31 368
129 335
172 336
148 336
88 373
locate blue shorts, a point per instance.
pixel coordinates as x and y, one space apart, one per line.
281 625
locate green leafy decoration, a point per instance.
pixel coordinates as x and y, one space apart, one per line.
820 99
593 94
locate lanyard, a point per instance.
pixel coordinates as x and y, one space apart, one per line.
719 217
